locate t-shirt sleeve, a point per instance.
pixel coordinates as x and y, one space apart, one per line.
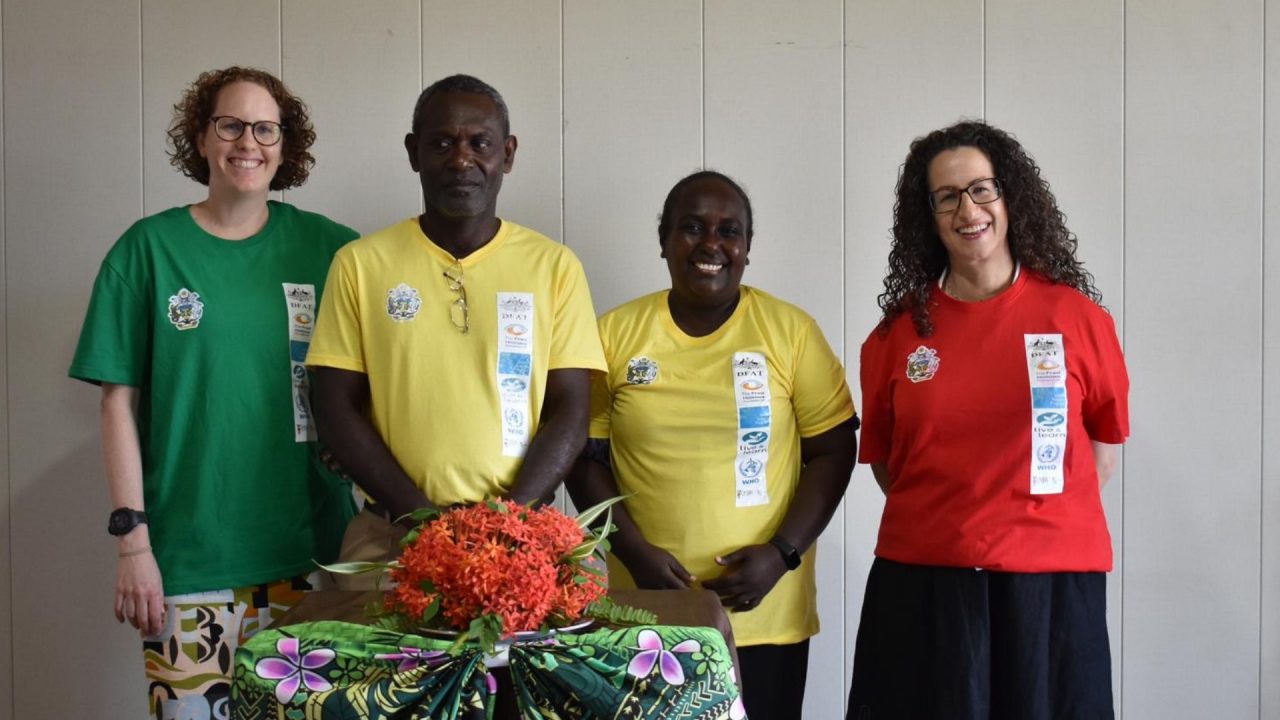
1105 405
116 335
877 413
336 342
821 396
575 342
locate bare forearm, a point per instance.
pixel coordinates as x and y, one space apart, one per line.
590 483
881 473
561 435
346 431
1104 460
822 484
122 453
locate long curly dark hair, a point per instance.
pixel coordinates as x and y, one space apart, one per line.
1038 235
191 116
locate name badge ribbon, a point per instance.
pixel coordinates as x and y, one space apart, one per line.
515 368
1047 372
300 301
751 391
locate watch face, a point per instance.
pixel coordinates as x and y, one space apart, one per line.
124 520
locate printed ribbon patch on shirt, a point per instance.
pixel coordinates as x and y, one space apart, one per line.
185 309
300 301
515 368
1047 371
751 391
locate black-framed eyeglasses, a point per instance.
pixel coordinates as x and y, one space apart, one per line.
230 128
981 192
459 315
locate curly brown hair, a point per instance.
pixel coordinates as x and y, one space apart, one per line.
191 116
1038 235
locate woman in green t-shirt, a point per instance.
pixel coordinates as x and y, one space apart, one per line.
196 331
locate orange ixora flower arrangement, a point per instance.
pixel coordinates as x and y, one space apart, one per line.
495 568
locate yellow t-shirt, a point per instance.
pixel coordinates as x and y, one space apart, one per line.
453 407
679 436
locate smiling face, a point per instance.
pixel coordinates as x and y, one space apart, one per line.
971 233
707 244
241 166
460 154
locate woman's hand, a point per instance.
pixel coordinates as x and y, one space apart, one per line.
750 573
140 593
653 568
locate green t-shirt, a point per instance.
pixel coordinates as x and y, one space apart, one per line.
214 333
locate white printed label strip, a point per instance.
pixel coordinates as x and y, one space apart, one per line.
1047 372
751 391
515 368
300 301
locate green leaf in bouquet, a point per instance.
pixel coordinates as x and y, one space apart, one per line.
588 516
608 611
359 567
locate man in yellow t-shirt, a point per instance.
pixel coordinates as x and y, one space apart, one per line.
452 351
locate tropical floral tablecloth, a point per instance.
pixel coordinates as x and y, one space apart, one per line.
339 671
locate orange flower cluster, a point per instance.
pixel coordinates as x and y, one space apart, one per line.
495 558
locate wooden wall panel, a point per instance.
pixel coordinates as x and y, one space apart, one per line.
73 183
515 47
1192 290
332 49
180 40
632 128
774 122
910 67
1070 57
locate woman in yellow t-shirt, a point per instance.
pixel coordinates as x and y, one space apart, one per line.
725 419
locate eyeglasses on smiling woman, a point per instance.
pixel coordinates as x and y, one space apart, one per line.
230 128
981 192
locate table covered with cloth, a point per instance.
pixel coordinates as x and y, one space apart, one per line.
310 668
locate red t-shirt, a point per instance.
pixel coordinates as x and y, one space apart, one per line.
958 439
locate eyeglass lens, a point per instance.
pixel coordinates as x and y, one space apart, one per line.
266 132
981 192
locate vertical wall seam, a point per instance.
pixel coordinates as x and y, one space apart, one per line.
280 54
844 315
702 88
1262 384
142 117
8 437
564 206
1124 249
984 59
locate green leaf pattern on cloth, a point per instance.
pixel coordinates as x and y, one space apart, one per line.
379 674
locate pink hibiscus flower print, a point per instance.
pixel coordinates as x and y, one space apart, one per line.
292 671
653 653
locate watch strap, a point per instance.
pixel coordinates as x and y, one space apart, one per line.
790 556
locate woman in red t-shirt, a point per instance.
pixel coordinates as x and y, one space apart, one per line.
994 397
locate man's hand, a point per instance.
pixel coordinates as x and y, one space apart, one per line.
656 569
750 573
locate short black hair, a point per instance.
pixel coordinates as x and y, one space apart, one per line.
664 220
461 84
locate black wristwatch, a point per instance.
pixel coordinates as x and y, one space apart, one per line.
790 556
124 520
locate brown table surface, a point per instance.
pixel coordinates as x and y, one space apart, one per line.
699 608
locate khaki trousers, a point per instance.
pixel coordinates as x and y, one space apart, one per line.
370 538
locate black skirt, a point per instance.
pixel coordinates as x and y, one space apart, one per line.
967 644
